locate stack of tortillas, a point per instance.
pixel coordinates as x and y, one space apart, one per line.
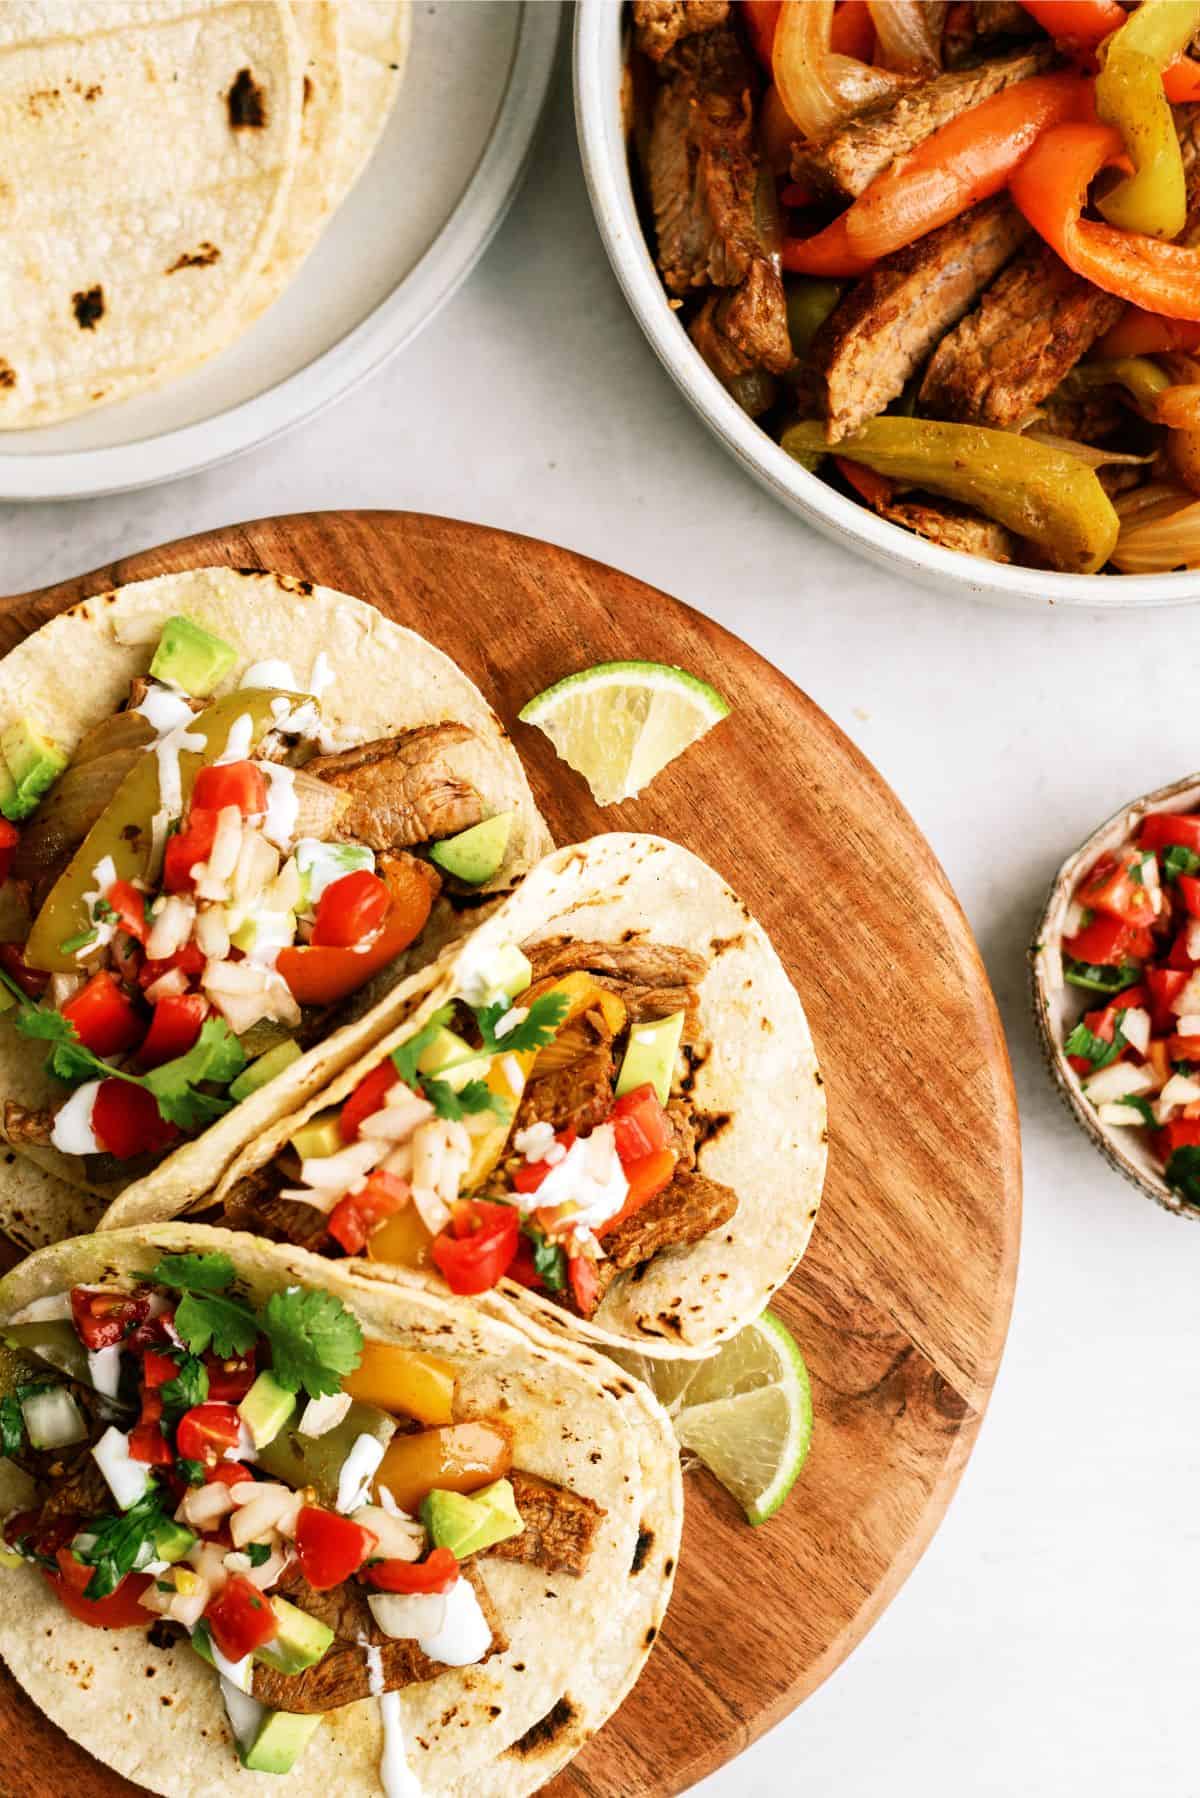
167 166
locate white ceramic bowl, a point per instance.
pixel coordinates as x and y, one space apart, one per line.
598 29
1058 1007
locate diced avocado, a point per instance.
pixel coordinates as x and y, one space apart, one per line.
504 1519
202 1642
8 788
54 1342
265 1069
321 1136
650 1056
34 763
282 1739
455 1521
317 1461
269 930
301 1642
511 972
6 999
475 855
172 1541
190 657
451 1059
266 1408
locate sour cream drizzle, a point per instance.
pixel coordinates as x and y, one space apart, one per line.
237 743
283 806
170 780
72 1133
395 1775
358 1470
164 710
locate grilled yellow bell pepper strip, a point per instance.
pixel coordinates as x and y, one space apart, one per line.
1043 494
1129 95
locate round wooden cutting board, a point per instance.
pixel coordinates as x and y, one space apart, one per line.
902 1302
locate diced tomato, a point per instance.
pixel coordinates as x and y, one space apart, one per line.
157 1369
319 974
126 1121
31 981
1165 986
330 1547
479 1247
147 1443
106 1019
584 1281
639 1124
1178 960
1189 892
357 1216
120 1610
10 836
366 1099
230 783
1109 942
1112 889
529 1176
129 903
1179 1133
1163 830
227 1473
187 848
229 1380
174 1028
240 1618
102 1319
190 958
153 1334
436 1573
351 910
205 1432
647 1177
1183 1048
523 1268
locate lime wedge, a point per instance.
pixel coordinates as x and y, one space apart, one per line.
620 723
746 1411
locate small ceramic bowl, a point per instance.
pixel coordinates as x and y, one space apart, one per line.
599 70
1057 1007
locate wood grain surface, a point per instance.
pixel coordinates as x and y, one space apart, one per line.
902 1302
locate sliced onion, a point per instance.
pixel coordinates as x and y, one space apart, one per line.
212 932
909 34
320 807
1179 408
1088 452
1161 535
76 801
820 89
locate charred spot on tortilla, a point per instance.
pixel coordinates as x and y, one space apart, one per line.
651 1633
88 307
8 374
719 944
308 90
641 1548
247 103
203 256
539 1735
709 1124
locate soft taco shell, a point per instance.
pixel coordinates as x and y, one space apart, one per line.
753 1077
77 668
497 1730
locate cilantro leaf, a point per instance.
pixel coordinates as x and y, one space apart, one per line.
12 1425
1177 860
1142 1107
194 1273
1100 977
193 1473
258 1553
1183 1174
315 1341
68 1059
549 1259
210 1320
533 1032
112 1545
475 1096
406 1057
216 1055
1093 1048
188 1388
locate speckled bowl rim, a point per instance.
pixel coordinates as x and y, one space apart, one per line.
1046 988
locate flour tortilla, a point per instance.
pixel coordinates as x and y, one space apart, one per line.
135 216
756 1078
375 39
77 668
577 1644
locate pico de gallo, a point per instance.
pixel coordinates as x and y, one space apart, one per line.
307 1506
1132 944
206 879
538 1128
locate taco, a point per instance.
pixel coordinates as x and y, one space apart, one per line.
362 1535
241 812
606 1111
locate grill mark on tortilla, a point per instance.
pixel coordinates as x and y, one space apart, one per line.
709 1124
641 1548
8 374
203 256
88 307
247 103
308 90
539 1735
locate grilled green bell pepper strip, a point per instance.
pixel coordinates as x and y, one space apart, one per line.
1129 95
1142 379
1043 494
809 303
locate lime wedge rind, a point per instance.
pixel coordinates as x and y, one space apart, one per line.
662 675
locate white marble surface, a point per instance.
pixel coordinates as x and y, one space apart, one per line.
1047 1642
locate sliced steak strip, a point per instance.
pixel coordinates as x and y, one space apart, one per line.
702 168
1187 123
254 1205
976 25
340 1677
577 1097
560 1526
24 1124
686 1211
1032 326
403 789
743 332
875 341
953 527
660 24
849 161
641 962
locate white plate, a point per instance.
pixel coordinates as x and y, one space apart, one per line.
422 214
598 28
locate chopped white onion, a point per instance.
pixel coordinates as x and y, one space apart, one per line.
320 1415
1121 1080
171 985
170 926
1135 1028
